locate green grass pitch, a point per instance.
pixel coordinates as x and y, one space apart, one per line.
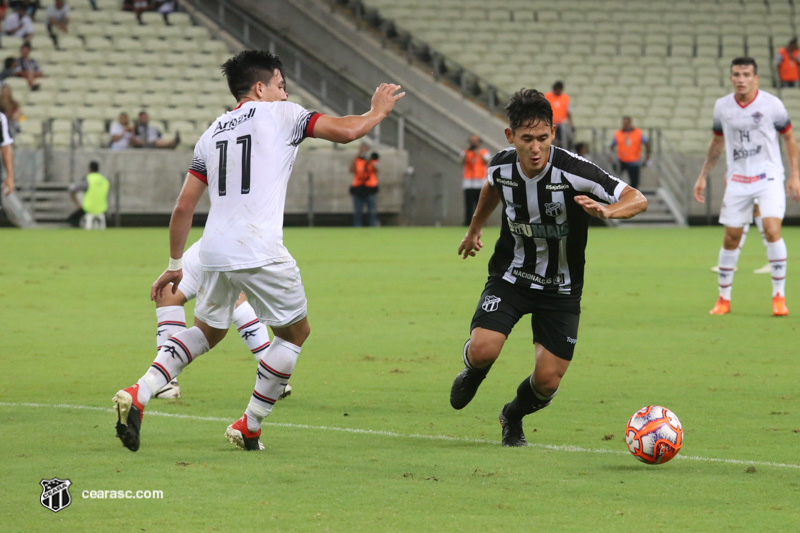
368 441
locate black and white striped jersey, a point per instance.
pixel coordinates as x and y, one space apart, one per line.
543 235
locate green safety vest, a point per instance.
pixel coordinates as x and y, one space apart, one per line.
95 199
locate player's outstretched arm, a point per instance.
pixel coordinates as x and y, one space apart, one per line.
179 226
488 201
631 203
793 184
351 127
712 155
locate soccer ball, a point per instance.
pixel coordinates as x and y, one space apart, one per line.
654 435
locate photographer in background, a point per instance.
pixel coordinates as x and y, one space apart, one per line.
365 186
475 160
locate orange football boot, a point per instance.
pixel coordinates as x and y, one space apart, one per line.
722 307
779 306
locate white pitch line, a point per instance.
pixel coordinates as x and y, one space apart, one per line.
384 433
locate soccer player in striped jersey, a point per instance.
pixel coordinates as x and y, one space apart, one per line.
172 317
747 123
244 160
548 195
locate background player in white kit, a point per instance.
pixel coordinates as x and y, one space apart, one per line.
747 122
245 160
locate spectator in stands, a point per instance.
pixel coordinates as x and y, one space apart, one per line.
628 142
787 61
19 24
365 186
121 132
28 68
10 65
31 7
3 9
94 5
57 20
562 117
474 160
582 149
95 195
165 8
11 109
147 136
138 7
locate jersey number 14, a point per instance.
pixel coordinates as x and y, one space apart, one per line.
222 146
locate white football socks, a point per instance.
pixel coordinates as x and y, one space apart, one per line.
171 320
776 253
274 371
172 358
727 264
744 236
253 332
760 225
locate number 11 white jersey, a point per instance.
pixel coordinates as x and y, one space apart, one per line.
246 158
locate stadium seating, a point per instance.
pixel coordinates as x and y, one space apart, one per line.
609 52
108 64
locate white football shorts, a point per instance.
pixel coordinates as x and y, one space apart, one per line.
275 291
192 273
739 199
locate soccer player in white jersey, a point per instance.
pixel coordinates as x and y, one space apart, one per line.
747 122
171 317
548 195
244 160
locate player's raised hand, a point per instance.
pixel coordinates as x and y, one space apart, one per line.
169 276
385 97
699 188
592 207
470 244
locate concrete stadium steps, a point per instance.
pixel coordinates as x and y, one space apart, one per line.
49 202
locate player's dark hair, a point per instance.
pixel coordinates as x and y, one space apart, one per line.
247 68
528 106
94 166
744 61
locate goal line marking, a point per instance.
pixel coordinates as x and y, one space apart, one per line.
395 434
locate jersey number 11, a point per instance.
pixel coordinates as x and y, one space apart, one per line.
222 146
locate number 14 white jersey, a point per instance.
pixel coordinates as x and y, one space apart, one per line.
246 158
752 148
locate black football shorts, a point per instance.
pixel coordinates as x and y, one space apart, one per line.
554 318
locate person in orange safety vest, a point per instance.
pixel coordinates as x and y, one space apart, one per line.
787 61
475 160
628 142
365 185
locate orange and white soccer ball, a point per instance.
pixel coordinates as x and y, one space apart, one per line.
654 435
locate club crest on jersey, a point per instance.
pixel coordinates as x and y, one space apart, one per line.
757 116
553 209
232 124
55 494
490 303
